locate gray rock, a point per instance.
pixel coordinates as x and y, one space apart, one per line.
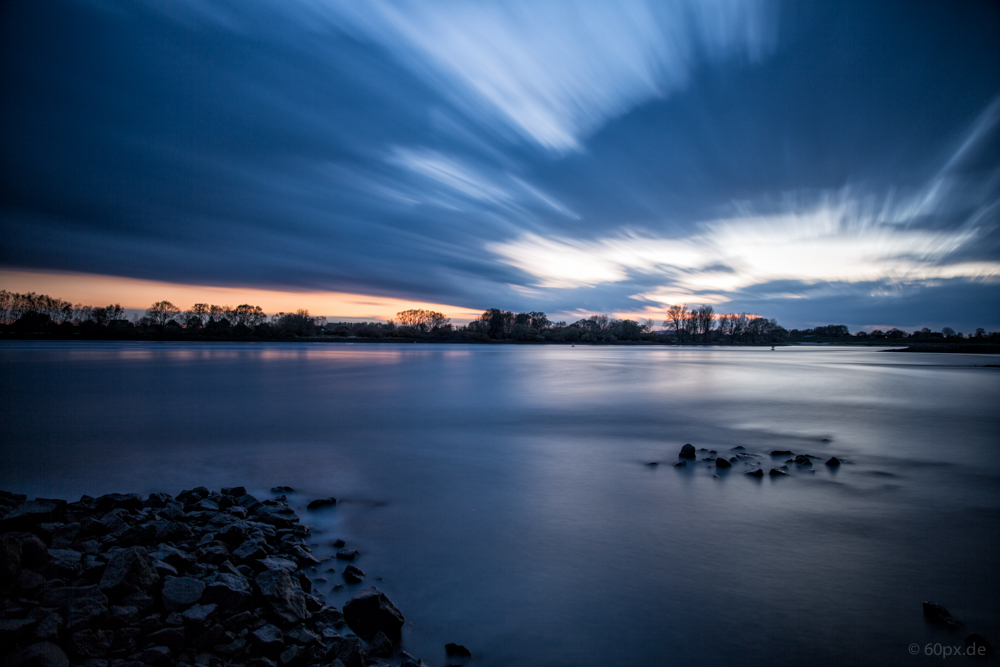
321 503
755 473
687 452
200 614
229 591
370 612
267 640
283 595
722 463
277 516
347 554
33 512
64 564
179 593
42 654
458 650
129 571
277 565
833 462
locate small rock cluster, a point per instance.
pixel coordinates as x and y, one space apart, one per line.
803 461
203 578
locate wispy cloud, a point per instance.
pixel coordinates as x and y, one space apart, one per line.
556 71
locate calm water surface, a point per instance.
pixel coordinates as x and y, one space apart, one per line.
501 492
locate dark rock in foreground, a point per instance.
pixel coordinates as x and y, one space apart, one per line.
756 473
722 463
201 578
777 473
833 461
687 452
781 452
370 612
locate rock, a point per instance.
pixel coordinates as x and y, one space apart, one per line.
935 613
652 464
83 606
16 631
338 543
353 574
33 512
42 654
229 591
321 503
680 464
687 452
458 650
279 517
347 554
755 473
380 646
34 554
112 524
10 559
803 460
349 651
199 615
64 564
234 534
49 628
250 550
179 593
64 535
833 462
157 656
278 565
777 473
172 638
129 571
738 448
111 501
282 489
722 463
369 612
781 452
283 595
235 491
268 640
91 642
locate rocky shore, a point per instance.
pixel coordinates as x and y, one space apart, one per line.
201 578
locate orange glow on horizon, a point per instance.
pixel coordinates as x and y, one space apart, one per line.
98 290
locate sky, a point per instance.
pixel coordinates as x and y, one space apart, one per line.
817 163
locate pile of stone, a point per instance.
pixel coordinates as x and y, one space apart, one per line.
203 578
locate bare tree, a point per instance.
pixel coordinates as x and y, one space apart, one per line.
162 312
676 317
706 320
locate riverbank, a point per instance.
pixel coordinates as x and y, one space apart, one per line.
203 578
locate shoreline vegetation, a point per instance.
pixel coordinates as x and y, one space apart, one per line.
204 578
41 317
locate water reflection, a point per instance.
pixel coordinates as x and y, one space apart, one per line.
502 494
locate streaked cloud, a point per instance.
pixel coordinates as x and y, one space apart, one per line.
556 71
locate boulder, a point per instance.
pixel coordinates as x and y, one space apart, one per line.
777 473
33 512
10 559
803 460
781 452
680 464
353 574
282 489
380 646
370 612
687 452
755 473
722 463
833 462
267 640
347 554
199 615
277 516
179 593
129 571
234 491
283 595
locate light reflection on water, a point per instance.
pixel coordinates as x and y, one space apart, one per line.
501 491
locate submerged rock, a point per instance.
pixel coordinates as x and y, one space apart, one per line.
777 473
781 452
755 473
935 613
680 464
321 503
722 463
687 452
833 462
457 650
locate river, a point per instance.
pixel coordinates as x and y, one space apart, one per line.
501 495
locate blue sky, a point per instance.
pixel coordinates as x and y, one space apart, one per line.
817 163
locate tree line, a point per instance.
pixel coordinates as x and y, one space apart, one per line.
34 315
